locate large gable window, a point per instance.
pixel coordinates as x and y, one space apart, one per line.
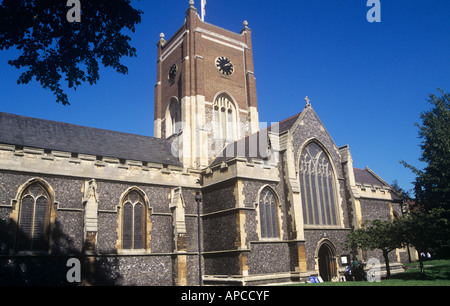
34 219
317 185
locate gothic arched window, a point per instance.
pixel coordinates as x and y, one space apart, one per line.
134 222
34 219
173 118
317 183
268 214
224 118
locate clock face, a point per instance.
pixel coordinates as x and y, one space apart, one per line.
224 65
173 73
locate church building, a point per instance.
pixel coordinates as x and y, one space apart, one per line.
214 197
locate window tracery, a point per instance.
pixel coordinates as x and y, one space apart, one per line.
268 214
224 118
34 218
317 186
133 222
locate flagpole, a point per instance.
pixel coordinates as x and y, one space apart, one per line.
203 9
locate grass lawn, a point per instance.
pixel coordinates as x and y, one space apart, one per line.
437 274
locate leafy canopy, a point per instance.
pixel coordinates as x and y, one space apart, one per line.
385 235
52 48
432 185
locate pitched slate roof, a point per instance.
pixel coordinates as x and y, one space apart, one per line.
368 177
255 145
59 136
284 125
364 176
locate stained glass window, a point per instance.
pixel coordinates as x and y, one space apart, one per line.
133 222
34 214
317 187
268 213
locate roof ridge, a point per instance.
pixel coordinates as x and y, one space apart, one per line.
377 176
292 117
269 129
77 125
61 136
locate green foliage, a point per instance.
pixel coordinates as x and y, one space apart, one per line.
431 228
385 235
376 234
403 194
53 48
432 185
437 274
426 229
422 229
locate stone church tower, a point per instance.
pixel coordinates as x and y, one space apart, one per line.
205 96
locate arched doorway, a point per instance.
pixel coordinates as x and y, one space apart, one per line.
327 261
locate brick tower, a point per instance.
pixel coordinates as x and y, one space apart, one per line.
205 96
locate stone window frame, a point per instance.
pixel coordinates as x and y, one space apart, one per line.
173 117
278 214
225 113
50 218
334 187
147 225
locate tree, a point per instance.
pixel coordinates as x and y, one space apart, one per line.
425 230
53 46
403 194
432 185
385 235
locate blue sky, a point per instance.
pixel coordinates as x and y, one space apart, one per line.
368 82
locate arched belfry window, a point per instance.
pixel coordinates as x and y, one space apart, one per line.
268 214
173 118
33 219
317 183
224 118
134 222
